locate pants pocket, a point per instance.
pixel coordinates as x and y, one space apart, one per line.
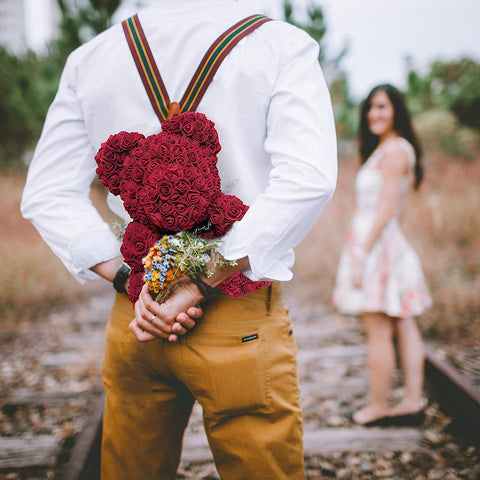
229 373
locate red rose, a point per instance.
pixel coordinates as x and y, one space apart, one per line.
182 186
167 208
114 142
165 190
135 285
137 240
238 285
173 124
129 140
212 141
109 169
235 209
187 128
184 221
170 222
114 180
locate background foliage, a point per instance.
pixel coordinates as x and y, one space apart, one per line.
445 101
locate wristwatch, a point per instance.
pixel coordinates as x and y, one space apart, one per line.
206 290
121 277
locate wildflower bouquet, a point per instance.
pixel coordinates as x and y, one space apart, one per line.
169 183
175 256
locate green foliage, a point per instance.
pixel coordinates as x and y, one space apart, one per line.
451 86
28 82
316 26
439 129
80 24
344 108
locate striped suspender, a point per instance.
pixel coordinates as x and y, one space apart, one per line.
204 74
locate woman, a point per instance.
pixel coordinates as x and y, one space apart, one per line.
380 276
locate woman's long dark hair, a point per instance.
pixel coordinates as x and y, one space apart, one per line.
402 124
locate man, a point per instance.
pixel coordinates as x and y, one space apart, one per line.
273 115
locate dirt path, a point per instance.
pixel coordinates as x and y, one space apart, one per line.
50 376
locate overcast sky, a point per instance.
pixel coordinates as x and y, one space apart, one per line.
379 33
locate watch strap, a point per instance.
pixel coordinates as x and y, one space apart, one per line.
121 278
206 290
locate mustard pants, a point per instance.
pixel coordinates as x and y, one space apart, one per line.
239 362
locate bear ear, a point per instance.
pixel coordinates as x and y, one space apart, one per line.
111 157
123 142
196 126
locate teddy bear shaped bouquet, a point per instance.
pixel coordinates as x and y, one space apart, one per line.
170 187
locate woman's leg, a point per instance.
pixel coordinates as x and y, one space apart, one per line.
381 363
410 346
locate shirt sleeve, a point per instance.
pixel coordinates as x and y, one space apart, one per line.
302 146
56 195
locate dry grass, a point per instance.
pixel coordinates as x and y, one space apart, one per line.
441 221
32 279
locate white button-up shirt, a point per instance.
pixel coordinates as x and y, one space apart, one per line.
271 108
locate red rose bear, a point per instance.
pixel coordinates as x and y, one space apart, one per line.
169 182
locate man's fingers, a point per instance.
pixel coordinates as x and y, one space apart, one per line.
195 312
140 335
149 322
179 329
184 320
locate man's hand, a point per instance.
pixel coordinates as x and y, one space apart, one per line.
169 320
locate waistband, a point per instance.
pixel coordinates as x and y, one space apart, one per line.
270 297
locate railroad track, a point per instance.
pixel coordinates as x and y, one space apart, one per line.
333 380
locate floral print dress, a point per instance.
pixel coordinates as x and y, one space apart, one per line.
393 280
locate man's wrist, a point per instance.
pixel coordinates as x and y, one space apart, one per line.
208 292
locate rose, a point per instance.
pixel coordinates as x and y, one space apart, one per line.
165 190
109 162
173 125
140 214
238 285
212 141
137 240
234 209
200 129
190 173
136 153
167 208
184 221
128 191
187 128
170 222
183 186
135 284
114 141
129 140
114 180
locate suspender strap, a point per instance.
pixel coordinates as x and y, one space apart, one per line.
204 74
146 66
214 57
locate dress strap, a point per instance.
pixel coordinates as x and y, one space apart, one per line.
152 80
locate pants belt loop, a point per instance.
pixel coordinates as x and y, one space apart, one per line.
269 298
